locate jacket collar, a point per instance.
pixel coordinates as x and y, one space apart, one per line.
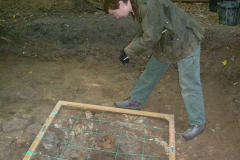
138 2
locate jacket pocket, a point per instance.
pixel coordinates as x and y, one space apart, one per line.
171 44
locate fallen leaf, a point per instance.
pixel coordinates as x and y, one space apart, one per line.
31 72
164 96
224 62
232 58
118 89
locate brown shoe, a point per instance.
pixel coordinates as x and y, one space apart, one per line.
193 131
128 104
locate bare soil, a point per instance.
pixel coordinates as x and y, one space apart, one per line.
68 50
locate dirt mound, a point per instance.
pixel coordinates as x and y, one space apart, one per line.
53 7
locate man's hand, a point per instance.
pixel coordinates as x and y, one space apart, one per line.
123 57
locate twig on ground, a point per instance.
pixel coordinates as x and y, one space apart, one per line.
8 40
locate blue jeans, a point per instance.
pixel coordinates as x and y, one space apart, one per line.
189 80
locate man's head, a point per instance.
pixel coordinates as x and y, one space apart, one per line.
118 8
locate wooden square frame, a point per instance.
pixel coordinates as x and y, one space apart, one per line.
43 130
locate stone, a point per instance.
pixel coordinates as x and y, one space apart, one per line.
89 114
129 146
27 116
22 114
48 141
11 135
4 148
23 139
98 116
75 154
15 124
34 128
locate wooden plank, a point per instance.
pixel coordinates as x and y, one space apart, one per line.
171 139
118 110
42 132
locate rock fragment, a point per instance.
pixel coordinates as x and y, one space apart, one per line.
34 128
49 141
15 124
89 114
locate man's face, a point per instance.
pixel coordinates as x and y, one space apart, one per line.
123 10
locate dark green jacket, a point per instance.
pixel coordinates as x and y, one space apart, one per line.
167 29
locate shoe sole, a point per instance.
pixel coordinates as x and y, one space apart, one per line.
188 138
135 108
130 107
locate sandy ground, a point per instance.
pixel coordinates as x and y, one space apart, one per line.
48 55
